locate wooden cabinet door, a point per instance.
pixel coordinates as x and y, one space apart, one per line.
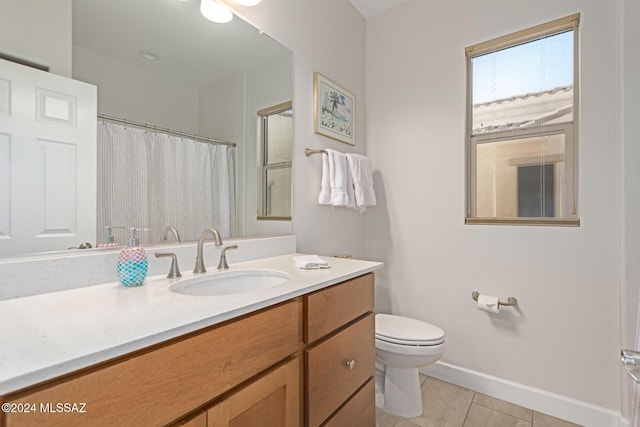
270 401
198 420
359 411
337 367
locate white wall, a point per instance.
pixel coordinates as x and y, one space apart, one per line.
130 93
563 336
221 107
228 107
630 93
326 36
266 88
38 31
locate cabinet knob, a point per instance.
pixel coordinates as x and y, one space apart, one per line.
351 364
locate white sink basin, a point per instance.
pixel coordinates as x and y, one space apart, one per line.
230 282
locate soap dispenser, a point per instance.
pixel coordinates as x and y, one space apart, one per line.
132 263
109 241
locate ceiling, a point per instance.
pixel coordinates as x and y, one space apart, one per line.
369 8
192 49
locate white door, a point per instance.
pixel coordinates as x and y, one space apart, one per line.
47 161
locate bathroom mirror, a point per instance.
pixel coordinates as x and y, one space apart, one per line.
162 63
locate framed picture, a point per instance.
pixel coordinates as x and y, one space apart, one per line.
334 110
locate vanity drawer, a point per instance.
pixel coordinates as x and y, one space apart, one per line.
160 385
359 411
333 307
329 379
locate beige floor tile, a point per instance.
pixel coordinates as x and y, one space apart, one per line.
504 407
542 420
481 416
423 378
385 420
404 423
444 404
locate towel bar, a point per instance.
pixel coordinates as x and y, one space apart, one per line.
511 301
308 152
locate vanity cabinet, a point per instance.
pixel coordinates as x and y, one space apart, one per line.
340 355
308 361
157 386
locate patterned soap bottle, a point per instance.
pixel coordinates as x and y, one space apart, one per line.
132 263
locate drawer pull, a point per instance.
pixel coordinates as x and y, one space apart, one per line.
351 364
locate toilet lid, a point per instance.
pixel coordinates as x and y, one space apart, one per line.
407 331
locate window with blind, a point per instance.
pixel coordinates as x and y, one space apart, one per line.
522 118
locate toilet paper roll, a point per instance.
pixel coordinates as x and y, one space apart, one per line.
488 303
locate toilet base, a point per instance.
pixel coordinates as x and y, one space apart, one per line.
402 394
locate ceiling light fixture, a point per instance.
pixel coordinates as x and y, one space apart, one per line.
248 2
214 11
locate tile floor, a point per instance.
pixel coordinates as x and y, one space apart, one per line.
447 405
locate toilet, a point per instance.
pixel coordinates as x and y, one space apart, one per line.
402 346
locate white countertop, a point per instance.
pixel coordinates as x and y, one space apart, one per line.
48 335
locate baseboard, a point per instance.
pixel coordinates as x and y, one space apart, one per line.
563 407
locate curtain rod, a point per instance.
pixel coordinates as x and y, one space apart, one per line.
205 139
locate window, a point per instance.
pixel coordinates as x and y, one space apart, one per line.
276 142
522 98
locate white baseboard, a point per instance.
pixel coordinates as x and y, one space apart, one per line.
558 406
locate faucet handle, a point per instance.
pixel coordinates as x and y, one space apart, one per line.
222 264
174 270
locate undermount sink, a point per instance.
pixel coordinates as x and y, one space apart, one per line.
230 282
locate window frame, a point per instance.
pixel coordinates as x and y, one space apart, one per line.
264 166
569 129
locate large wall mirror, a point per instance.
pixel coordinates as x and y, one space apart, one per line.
175 91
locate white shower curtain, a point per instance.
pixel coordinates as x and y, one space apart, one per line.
152 180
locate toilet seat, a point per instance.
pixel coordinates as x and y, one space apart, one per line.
424 343
406 331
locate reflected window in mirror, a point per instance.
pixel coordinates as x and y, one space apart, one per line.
276 136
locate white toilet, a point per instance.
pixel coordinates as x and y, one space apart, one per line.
402 346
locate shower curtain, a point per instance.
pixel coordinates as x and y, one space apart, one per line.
151 180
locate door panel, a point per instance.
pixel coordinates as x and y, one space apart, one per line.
47 160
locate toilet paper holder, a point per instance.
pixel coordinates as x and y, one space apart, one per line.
511 301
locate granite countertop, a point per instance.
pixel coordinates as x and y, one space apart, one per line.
48 335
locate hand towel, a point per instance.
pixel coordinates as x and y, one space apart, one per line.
361 172
310 262
324 198
340 180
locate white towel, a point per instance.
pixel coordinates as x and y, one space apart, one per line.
340 180
324 198
310 262
361 172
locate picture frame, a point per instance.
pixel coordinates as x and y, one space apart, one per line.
334 110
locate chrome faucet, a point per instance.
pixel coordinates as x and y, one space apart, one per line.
199 268
174 270
174 232
222 264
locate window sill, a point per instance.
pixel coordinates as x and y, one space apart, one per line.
274 218
554 222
